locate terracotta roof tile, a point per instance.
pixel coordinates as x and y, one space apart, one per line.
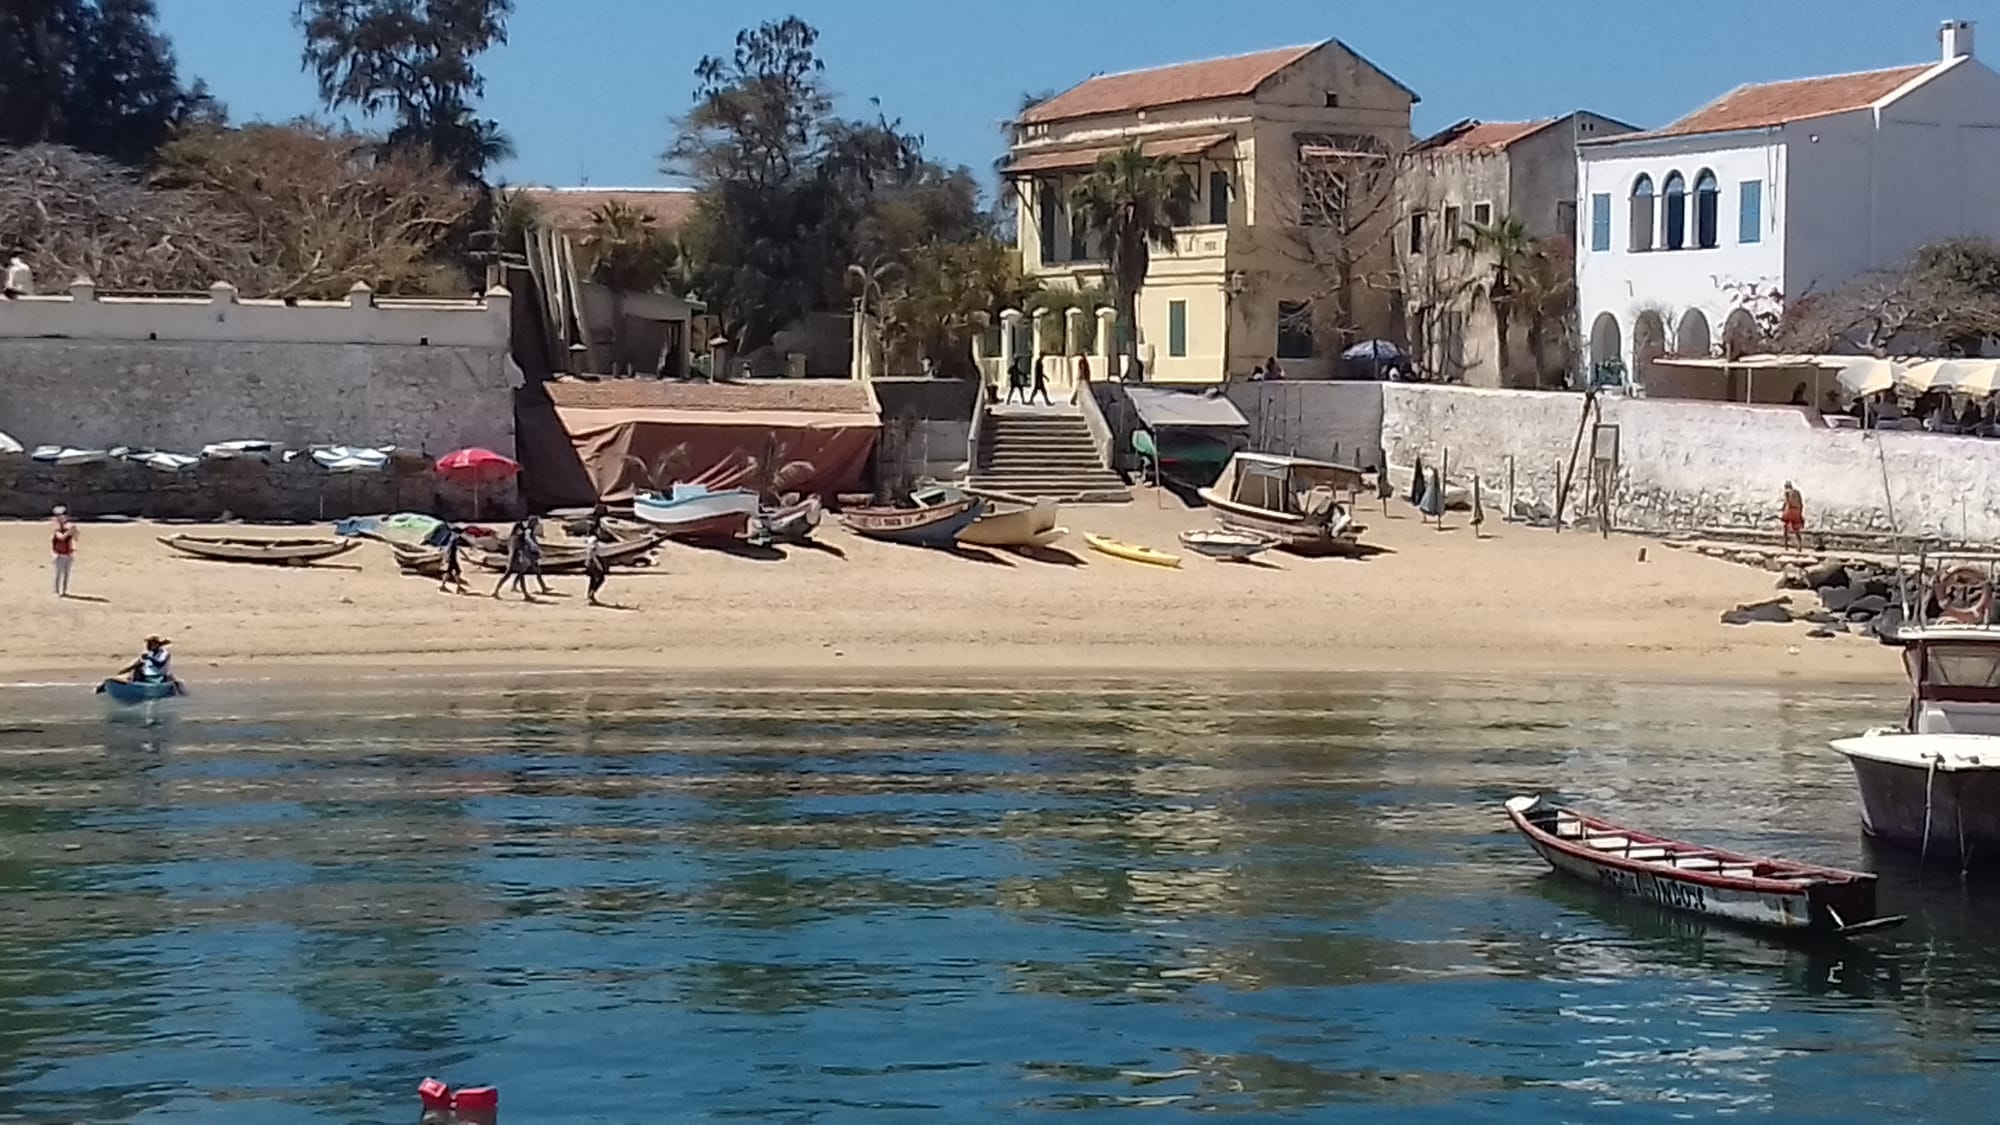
1471 136
1777 103
569 209
1037 160
806 396
1235 77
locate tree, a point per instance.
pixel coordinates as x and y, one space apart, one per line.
947 291
412 59
1134 202
326 208
1945 296
626 253
1347 198
91 74
1508 253
1545 299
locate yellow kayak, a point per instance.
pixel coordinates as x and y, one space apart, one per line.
1131 551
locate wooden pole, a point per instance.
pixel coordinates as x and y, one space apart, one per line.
1556 480
1509 513
1444 482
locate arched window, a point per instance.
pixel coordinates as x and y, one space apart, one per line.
1674 198
1707 201
1642 213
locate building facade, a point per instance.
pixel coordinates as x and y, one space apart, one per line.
1287 251
1479 174
1693 236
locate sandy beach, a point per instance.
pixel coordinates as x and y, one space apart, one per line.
1517 600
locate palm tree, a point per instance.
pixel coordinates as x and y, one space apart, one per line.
1510 254
1545 300
870 285
1135 201
627 254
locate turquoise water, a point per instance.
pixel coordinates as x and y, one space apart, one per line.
827 904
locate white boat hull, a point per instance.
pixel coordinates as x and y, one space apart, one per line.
1903 803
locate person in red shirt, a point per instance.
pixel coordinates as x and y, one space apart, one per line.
62 541
1793 517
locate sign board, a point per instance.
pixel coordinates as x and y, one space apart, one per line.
1604 444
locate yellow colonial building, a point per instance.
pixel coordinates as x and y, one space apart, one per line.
1292 155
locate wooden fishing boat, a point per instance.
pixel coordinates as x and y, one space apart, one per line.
789 523
282 552
1229 546
1132 552
1305 506
571 558
935 526
694 511
1756 891
129 693
1014 527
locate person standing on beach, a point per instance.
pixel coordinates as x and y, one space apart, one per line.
62 542
595 569
534 550
454 572
1794 518
517 562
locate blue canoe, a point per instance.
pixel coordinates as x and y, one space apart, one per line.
125 691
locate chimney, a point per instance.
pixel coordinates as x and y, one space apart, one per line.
1956 35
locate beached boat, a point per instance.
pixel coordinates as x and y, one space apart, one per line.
1131 552
282 552
1229 546
790 523
571 558
935 526
1303 506
1932 784
694 511
1030 526
129 693
1748 889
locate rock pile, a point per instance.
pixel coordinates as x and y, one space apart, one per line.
1854 597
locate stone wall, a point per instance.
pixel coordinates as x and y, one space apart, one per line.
1326 421
928 422
1704 465
179 373
244 488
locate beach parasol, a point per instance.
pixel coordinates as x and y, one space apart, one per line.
478 468
1973 378
1918 378
1865 375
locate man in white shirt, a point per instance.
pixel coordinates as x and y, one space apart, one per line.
20 282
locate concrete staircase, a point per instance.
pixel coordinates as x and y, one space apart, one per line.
1036 454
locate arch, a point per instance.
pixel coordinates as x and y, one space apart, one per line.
1607 345
1673 202
1739 334
1649 343
1642 212
1692 338
1707 208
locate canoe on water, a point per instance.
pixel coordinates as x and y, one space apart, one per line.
279 552
1131 552
1774 893
127 692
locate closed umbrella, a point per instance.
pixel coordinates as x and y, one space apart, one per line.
478 468
1866 375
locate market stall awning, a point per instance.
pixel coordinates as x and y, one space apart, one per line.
1160 408
1076 159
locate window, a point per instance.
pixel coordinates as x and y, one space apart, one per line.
1047 216
1332 100
1642 213
1707 200
1416 232
1218 198
1750 211
1673 196
1079 239
1451 231
1177 329
1600 221
1295 330
1482 214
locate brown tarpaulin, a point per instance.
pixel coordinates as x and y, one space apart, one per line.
621 449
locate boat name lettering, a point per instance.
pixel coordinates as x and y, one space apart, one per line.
1666 892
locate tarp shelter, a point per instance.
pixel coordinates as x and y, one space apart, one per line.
1187 435
618 435
1769 379
1160 408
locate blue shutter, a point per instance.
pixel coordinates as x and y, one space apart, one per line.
1750 212
1177 329
1600 222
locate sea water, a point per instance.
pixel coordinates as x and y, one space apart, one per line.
958 899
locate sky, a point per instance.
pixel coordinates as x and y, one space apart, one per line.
587 88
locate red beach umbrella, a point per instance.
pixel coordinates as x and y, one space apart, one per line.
476 467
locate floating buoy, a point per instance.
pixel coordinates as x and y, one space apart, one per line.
476 1098
434 1094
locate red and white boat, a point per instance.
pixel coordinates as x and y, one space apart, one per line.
1759 892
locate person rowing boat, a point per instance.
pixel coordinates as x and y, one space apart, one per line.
154 666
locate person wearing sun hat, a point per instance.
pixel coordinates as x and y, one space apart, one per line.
155 665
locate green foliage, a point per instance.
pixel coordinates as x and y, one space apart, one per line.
627 251
93 75
949 290
412 59
1089 299
1134 201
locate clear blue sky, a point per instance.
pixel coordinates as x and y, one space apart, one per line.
586 87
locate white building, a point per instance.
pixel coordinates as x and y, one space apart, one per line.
1690 233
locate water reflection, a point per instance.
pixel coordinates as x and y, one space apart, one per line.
817 902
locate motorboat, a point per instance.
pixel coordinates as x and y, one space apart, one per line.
1305 506
1932 784
1753 890
695 511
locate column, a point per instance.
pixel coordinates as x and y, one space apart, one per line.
857 349
1010 325
1107 332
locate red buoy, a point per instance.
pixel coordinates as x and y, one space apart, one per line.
435 1094
476 1098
